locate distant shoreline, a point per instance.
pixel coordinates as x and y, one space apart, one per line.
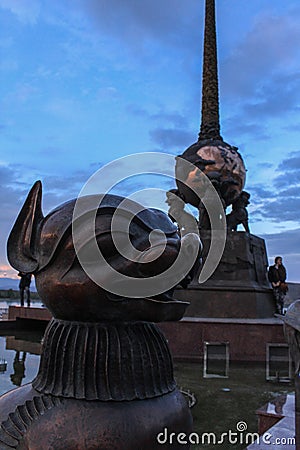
12 293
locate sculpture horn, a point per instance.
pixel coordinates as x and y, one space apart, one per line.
22 241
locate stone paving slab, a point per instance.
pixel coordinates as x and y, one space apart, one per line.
282 434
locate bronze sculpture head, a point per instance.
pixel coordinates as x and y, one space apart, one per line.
45 247
104 366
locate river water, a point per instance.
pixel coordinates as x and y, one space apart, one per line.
221 402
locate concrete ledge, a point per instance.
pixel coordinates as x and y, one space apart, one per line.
269 321
24 312
276 424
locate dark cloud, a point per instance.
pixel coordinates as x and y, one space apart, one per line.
279 200
287 242
13 192
287 179
74 181
289 170
280 95
265 165
260 192
261 76
290 192
281 209
270 46
239 125
291 163
172 138
277 205
172 117
135 22
60 188
178 120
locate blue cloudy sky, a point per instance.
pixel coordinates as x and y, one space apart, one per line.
86 81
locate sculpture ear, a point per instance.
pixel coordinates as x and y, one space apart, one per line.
22 244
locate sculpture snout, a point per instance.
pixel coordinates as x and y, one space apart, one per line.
159 257
163 254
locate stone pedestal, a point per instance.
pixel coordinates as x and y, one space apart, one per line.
239 287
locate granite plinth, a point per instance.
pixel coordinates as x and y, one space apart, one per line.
227 301
239 287
247 338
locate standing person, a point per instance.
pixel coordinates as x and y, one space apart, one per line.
277 277
24 285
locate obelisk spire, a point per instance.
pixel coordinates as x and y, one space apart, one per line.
210 121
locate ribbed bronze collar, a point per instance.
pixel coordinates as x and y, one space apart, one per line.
104 361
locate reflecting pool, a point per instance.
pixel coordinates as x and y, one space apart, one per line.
222 403
22 354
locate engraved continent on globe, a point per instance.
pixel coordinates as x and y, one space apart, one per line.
220 162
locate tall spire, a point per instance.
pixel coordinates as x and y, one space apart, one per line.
210 121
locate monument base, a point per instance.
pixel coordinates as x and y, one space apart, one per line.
239 287
227 302
247 338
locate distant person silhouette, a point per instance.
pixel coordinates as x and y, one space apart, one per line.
19 369
277 277
24 286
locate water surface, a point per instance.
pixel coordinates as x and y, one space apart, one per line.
221 402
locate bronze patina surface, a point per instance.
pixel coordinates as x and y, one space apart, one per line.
106 377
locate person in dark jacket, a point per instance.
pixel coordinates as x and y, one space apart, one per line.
277 277
24 286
